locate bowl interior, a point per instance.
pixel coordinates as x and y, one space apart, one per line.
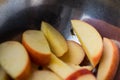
59 15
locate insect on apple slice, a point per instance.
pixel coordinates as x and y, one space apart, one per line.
14 60
37 45
109 61
90 39
57 42
75 54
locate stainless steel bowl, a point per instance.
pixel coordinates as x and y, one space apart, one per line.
19 15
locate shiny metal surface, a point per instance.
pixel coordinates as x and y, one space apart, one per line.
19 15
108 10
10 7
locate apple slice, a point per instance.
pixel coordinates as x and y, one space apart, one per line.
82 74
65 71
57 42
90 39
3 75
37 45
59 67
44 75
75 54
15 60
109 62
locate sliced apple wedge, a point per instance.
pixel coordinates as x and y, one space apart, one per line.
82 74
15 60
65 71
3 75
75 54
109 62
57 42
90 39
37 45
44 75
59 67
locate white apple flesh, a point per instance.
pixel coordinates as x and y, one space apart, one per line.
56 40
109 61
14 59
37 46
75 54
90 39
65 71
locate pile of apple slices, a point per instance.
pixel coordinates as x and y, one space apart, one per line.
59 58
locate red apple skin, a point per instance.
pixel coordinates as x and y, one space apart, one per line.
97 58
78 73
26 72
114 64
